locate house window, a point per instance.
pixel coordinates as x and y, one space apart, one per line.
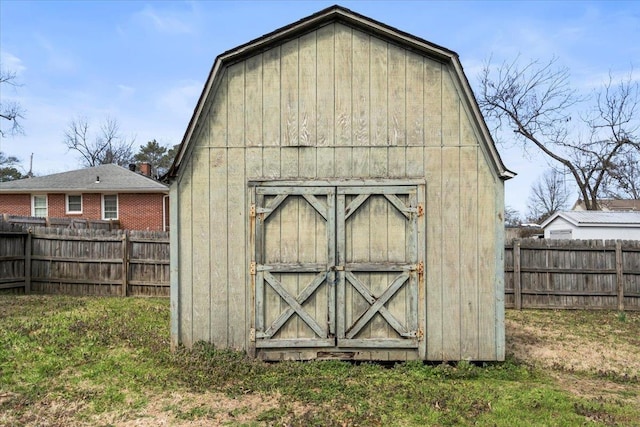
39 205
74 203
110 206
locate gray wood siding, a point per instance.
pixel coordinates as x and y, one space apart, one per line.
340 103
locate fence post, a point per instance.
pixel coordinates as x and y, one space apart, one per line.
517 286
27 263
125 262
619 275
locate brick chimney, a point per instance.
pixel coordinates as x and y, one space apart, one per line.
145 169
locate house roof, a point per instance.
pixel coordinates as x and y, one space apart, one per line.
612 205
337 14
98 179
596 218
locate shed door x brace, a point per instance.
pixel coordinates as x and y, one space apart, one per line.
336 266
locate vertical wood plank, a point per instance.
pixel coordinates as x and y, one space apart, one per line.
237 269
432 103
379 101
498 268
125 247
341 306
237 329
397 96
415 99
325 109
236 106
325 78
619 275
517 275
219 199
307 136
435 287
186 261
396 130
174 263
361 96
200 190
253 101
451 252
27 262
343 100
488 220
289 94
469 229
271 115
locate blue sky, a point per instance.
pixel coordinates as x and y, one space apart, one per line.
144 63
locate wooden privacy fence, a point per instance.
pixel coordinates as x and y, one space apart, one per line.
78 223
84 262
584 274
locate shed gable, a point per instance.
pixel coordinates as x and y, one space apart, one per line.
340 87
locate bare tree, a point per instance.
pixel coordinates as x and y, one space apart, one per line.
536 102
511 217
10 110
624 178
548 196
107 146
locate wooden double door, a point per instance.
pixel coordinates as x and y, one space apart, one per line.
336 267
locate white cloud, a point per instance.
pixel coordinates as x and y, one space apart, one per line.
180 100
11 63
57 59
125 91
165 21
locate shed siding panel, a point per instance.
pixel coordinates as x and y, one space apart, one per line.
325 109
415 99
433 103
469 252
271 99
289 93
186 259
488 313
451 252
200 230
343 117
253 101
361 97
433 259
236 243
219 256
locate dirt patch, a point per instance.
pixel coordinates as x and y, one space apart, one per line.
600 367
195 410
553 348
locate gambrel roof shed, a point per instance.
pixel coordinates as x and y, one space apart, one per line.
337 193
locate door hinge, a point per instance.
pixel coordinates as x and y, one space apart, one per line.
420 268
252 268
420 210
252 335
420 334
252 211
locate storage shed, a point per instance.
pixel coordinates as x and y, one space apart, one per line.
593 225
337 195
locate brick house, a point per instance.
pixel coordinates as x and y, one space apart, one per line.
105 192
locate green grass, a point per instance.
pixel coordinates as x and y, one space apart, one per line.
103 361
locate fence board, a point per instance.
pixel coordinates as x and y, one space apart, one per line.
574 274
84 261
